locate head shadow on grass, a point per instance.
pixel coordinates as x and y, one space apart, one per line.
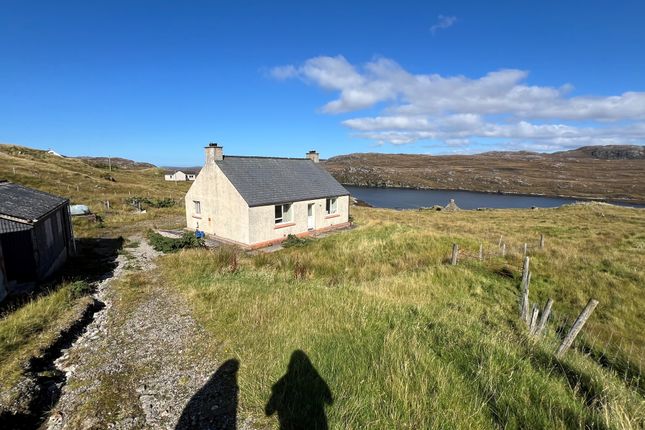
299 397
214 406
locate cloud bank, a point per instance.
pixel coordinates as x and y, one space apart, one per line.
499 107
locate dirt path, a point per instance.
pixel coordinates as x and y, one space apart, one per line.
140 361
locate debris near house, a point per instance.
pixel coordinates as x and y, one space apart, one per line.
452 206
167 244
77 210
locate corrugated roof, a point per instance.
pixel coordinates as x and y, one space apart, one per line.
264 181
7 226
26 203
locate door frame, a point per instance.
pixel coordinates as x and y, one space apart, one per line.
311 216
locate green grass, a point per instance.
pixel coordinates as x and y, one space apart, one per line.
86 184
404 340
25 332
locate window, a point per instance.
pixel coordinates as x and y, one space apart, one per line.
283 213
198 207
330 206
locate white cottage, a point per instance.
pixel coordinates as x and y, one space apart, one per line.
179 176
259 201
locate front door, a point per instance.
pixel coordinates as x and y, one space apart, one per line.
311 220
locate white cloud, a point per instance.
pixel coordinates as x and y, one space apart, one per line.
443 23
458 109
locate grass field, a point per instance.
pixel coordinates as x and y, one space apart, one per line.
404 340
31 325
400 338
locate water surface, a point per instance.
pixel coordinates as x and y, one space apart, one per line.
402 198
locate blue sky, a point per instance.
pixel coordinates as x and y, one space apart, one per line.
157 80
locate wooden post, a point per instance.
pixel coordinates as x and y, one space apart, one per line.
576 327
545 316
481 251
524 287
525 249
542 241
107 204
455 251
503 250
500 241
534 317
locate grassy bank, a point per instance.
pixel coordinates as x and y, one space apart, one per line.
31 328
405 341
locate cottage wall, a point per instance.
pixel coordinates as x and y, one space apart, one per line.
262 227
224 213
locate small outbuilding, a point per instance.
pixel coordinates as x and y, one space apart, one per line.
36 234
259 201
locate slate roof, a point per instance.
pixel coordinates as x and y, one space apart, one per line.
265 181
26 203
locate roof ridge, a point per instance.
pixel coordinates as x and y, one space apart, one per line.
265 157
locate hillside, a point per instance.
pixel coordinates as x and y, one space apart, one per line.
610 172
371 325
89 182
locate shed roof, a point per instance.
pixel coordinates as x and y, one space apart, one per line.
26 203
264 181
7 226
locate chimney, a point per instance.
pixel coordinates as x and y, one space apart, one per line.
313 156
214 153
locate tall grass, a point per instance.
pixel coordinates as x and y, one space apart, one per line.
405 341
35 325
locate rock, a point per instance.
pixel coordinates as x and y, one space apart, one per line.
452 206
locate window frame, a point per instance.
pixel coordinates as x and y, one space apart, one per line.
197 207
285 216
331 205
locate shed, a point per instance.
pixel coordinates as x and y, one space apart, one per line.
36 233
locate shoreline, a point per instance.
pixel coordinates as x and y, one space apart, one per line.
507 193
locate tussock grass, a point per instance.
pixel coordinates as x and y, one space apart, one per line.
406 341
36 325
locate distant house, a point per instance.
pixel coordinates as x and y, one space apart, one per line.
179 176
259 201
35 233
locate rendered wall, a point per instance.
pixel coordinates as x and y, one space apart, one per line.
224 213
262 227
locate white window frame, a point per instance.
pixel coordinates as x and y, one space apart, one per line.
197 206
331 205
285 214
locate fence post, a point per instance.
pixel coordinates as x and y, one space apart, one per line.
481 251
500 241
455 251
503 250
525 249
576 327
545 316
541 241
534 317
524 308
